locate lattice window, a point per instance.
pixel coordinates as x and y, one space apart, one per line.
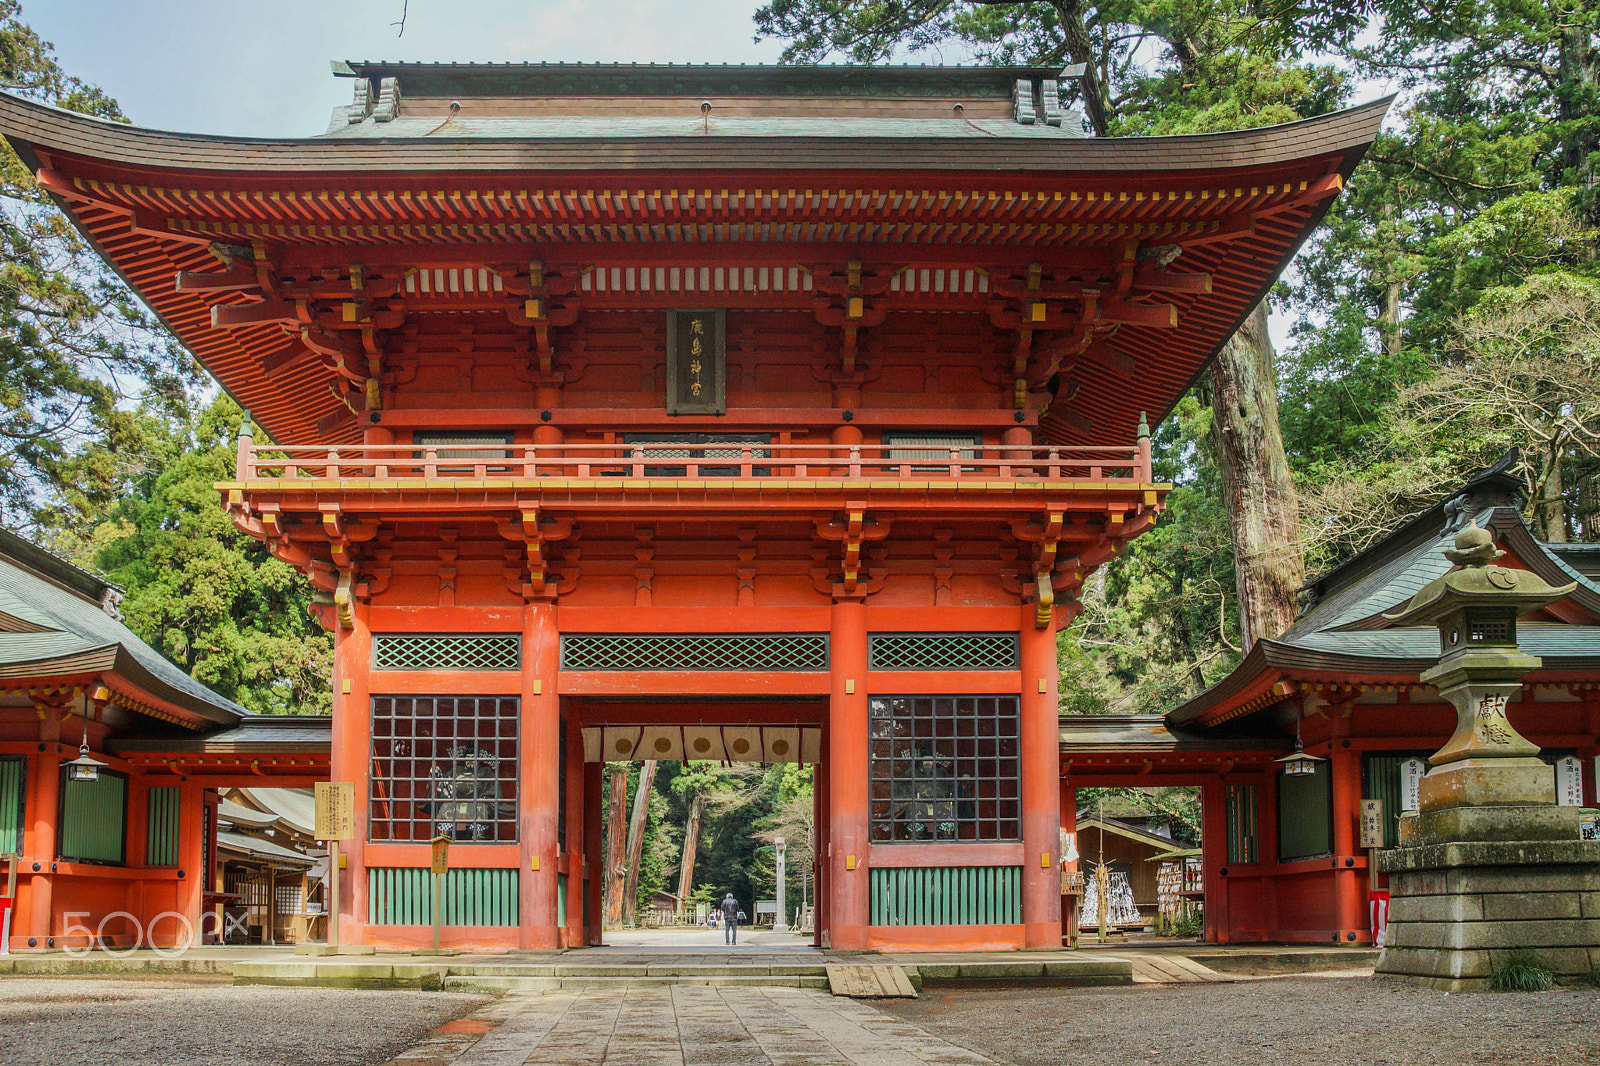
929 452
725 446
13 790
444 766
782 652
477 453
942 651
944 768
447 651
1241 804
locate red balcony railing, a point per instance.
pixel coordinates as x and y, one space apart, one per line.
666 459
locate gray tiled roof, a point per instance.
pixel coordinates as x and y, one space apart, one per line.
1346 631
280 733
612 128
80 635
264 848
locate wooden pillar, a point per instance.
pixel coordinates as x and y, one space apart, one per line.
1069 824
191 866
849 895
39 849
1214 859
1349 883
351 761
593 860
576 798
1040 729
821 847
539 750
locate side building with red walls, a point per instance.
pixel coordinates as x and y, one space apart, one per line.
124 857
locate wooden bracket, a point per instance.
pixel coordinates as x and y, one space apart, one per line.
851 531
534 532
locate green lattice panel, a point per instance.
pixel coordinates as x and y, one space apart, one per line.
775 652
946 895
447 651
403 895
942 651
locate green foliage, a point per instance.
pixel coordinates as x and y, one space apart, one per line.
211 599
1521 971
77 349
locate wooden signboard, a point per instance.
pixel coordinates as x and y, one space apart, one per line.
336 810
1412 771
697 363
1372 823
441 854
1569 781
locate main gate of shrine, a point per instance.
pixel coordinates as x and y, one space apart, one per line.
698 407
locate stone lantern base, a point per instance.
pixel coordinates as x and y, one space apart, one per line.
1520 881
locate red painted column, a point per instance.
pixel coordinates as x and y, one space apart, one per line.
576 798
821 849
849 895
539 750
1040 728
1069 824
593 783
1214 859
1349 882
191 867
39 847
350 760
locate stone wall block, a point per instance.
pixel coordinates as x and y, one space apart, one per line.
1530 906
1438 908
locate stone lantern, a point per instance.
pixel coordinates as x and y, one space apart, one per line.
1488 849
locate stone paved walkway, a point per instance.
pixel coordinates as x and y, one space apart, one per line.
684 1025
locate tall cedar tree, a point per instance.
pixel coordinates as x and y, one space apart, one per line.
1172 66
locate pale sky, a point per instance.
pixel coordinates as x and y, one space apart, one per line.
260 67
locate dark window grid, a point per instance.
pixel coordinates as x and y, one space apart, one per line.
933 779
444 765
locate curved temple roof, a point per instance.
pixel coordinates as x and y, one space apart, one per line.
804 190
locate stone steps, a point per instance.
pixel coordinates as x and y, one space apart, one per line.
500 985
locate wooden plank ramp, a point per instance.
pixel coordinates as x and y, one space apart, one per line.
1171 970
876 981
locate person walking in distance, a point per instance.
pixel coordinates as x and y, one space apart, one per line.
730 919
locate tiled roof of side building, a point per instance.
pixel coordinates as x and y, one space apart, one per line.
73 633
1345 630
283 733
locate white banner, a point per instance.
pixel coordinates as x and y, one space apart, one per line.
1569 781
1411 771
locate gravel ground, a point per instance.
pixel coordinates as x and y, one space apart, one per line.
63 1022
1295 1020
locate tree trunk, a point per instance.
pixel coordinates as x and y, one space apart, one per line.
1552 502
616 830
1389 287
641 811
1263 510
691 844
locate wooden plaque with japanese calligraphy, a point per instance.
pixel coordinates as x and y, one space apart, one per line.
696 363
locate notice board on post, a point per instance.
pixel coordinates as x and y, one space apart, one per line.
697 363
336 810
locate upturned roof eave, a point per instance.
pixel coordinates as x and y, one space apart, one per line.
31 126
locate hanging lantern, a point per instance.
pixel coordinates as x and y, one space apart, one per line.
1297 763
85 767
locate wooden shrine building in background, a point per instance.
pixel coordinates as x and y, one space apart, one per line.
698 412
